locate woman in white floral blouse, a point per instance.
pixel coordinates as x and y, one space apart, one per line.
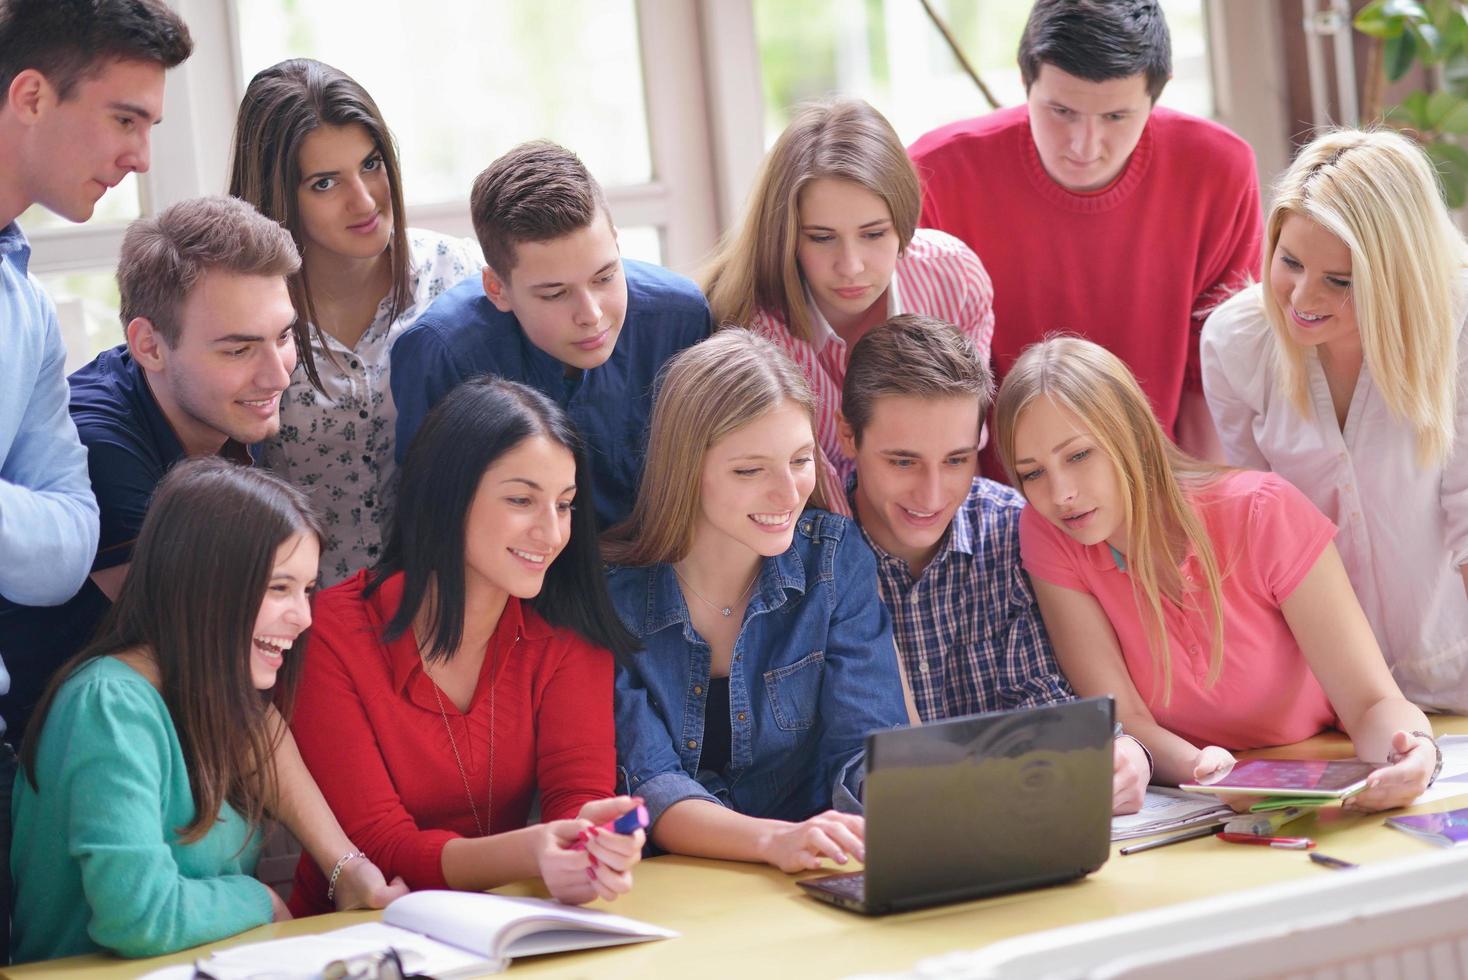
311 150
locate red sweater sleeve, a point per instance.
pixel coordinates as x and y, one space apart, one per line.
341 749
1235 262
576 756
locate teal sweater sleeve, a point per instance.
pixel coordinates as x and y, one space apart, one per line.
113 780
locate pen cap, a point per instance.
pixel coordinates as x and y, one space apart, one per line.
633 819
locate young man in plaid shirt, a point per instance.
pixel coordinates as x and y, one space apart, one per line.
968 632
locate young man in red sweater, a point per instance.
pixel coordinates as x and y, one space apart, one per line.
1096 212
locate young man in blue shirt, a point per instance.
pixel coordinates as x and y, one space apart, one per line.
557 309
82 86
209 350
968 632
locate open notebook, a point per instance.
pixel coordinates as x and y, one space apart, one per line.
441 933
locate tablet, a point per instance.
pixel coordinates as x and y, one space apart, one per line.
1316 779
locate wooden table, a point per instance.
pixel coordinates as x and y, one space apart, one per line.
751 920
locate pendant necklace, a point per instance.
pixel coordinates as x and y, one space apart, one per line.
725 611
481 826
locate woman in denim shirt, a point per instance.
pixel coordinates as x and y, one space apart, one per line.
768 653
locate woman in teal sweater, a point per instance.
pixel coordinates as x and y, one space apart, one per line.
156 753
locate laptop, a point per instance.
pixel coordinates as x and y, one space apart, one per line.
980 805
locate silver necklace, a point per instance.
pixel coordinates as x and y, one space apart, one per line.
453 744
725 611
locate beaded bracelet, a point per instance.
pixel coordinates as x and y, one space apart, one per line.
336 872
1437 769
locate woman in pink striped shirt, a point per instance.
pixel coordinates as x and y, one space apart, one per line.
829 248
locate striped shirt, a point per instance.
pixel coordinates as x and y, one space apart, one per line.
967 629
936 275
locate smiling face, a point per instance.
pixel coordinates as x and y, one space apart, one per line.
846 251
1085 131
285 612
1310 279
569 294
80 147
520 518
755 483
915 464
234 355
344 199
1066 476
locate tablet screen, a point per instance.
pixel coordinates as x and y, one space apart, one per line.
1290 776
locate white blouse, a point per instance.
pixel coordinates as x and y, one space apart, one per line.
338 446
1403 528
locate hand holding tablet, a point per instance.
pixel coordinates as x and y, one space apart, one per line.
1306 779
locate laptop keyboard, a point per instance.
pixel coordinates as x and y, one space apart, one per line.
852 886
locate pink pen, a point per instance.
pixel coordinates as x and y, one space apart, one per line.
1287 843
633 820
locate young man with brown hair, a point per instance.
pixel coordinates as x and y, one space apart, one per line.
209 350
81 85
1095 211
968 632
557 309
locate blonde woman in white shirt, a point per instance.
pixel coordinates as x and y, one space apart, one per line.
312 151
1344 372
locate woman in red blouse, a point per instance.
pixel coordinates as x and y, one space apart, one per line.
470 668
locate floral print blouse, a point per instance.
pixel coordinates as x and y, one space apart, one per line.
338 446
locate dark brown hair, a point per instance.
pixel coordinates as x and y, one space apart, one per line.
536 192
282 106
916 356
164 256
475 424
191 598
1097 40
69 40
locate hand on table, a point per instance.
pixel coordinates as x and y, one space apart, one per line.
361 886
1412 761
1129 775
801 846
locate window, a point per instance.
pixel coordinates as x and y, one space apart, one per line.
469 79
889 53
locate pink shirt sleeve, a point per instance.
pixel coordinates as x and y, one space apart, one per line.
1287 534
1047 554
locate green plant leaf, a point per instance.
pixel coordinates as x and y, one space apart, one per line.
1398 54
1410 9
1455 120
1439 104
1413 109
1454 29
1452 166
1429 47
1371 20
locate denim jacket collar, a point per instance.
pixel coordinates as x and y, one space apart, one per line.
666 605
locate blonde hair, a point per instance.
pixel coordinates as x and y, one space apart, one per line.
708 391
755 267
1153 474
1378 193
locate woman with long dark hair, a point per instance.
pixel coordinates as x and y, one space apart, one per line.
155 754
472 667
311 151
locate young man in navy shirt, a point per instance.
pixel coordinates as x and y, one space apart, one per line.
209 350
557 309
968 632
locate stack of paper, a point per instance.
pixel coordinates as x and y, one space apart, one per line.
1166 809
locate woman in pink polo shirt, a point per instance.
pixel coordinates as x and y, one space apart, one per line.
1210 602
